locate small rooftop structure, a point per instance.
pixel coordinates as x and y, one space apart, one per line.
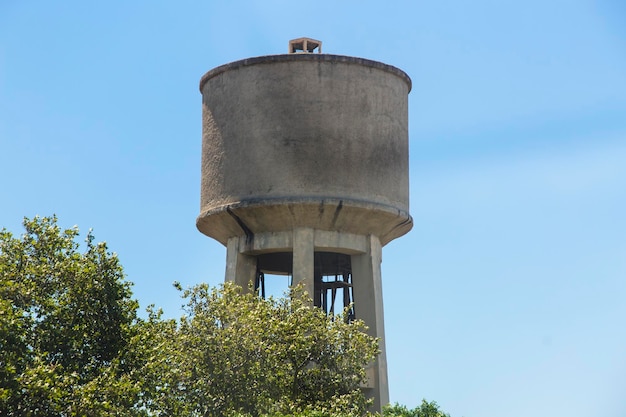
304 46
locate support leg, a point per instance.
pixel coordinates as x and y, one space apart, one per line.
368 304
304 259
240 268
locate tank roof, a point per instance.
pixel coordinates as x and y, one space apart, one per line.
270 59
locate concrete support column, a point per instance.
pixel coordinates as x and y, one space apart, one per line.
304 258
368 304
240 268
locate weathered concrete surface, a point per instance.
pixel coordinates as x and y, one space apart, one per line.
305 140
304 154
368 301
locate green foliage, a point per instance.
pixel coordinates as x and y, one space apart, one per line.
65 316
238 353
426 409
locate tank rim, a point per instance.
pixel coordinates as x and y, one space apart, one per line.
270 59
404 220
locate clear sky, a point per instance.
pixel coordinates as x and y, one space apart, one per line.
508 296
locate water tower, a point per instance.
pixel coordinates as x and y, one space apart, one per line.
305 174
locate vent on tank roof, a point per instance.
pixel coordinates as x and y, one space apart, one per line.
305 46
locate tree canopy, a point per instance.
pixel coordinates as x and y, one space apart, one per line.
425 409
65 315
237 352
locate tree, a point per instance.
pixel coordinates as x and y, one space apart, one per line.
238 353
71 342
65 317
426 409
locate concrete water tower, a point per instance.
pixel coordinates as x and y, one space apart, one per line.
305 174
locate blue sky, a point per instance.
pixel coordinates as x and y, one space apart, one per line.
506 299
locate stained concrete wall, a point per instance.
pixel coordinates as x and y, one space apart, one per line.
305 140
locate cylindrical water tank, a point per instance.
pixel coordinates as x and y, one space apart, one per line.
305 140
